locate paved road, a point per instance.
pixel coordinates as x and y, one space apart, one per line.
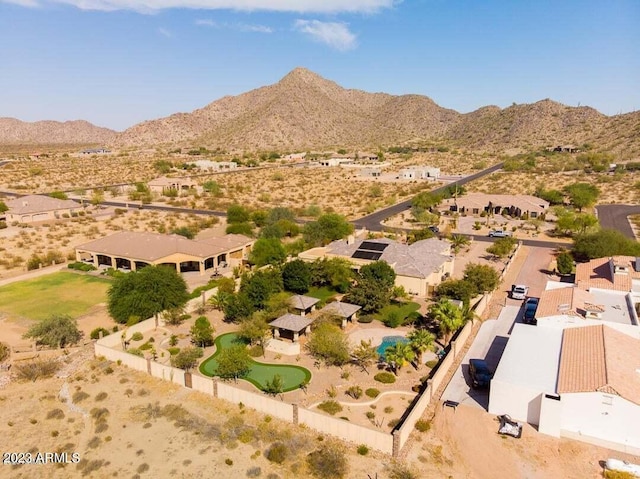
492 338
616 217
372 222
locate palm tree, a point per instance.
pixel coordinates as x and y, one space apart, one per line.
399 355
448 316
420 341
458 241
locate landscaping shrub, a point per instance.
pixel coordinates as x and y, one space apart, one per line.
330 407
365 318
80 266
363 450
135 352
277 453
372 392
422 425
431 363
173 351
393 319
137 336
95 334
328 462
385 378
355 392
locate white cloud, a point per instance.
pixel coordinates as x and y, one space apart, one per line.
299 6
242 27
336 35
164 32
206 23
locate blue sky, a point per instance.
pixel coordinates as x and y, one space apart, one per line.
119 62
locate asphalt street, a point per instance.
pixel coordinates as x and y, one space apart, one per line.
616 217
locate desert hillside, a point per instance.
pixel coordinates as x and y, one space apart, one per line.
13 131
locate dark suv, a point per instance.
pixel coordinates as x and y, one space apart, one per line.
480 373
530 308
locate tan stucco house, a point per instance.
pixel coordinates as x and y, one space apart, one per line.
514 205
35 208
164 184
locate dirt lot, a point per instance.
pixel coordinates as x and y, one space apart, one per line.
127 424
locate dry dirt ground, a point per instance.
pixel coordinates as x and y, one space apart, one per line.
126 424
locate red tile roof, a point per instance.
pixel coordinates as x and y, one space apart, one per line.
599 273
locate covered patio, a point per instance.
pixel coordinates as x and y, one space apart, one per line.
346 311
291 326
303 304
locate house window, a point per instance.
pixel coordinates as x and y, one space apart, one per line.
533 214
607 400
476 211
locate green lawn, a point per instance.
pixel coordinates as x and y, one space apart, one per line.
57 293
323 294
403 310
259 373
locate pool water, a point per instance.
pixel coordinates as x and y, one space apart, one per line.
390 341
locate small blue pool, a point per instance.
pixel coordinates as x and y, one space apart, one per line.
390 341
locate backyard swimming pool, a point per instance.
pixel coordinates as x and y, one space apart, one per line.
388 341
260 373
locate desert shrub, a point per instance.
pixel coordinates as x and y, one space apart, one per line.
385 377
173 351
362 450
330 407
142 468
254 472
55 414
94 442
146 346
370 415
401 471
79 396
37 369
137 336
95 334
355 392
228 461
277 453
372 392
422 425
328 462
393 423
388 410
4 352
101 396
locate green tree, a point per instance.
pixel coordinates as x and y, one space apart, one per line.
426 200
212 187
326 228
255 330
421 341
97 197
261 285
3 207
459 289
582 195
259 218
570 222
554 197
280 213
379 272
482 276
564 262
146 293
59 195
336 273
187 358
502 247
236 307
56 331
237 214
399 355
274 386
448 316
183 231
267 251
202 332
233 362
369 295
419 235
240 229
329 344
604 243
458 242
364 355
296 276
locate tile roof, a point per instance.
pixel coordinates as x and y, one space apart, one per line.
38 204
341 309
302 302
599 273
155 246
417 260
566 301
600 358
292 322
480 200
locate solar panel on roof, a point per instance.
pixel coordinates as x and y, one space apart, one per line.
370 255
371 246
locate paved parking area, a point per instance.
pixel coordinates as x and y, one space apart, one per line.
493 335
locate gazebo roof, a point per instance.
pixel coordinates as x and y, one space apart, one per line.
344 310
302 302
291 322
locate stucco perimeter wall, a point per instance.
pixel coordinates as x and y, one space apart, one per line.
202 384
167 373
259 402
129 360
378 440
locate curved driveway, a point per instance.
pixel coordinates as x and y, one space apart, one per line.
616 217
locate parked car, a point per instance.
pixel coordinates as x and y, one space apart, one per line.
530 308
434 229
519 291
480 373
499 234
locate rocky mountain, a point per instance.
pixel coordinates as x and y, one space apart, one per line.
14 131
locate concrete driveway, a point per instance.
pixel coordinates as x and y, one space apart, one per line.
493 335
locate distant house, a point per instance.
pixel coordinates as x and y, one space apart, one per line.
371 172
367 157
163 184
129 250
419 173
419 267
35 208
210 165
336 160
513 205
565 149
95 151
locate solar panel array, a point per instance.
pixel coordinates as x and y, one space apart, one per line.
370 251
